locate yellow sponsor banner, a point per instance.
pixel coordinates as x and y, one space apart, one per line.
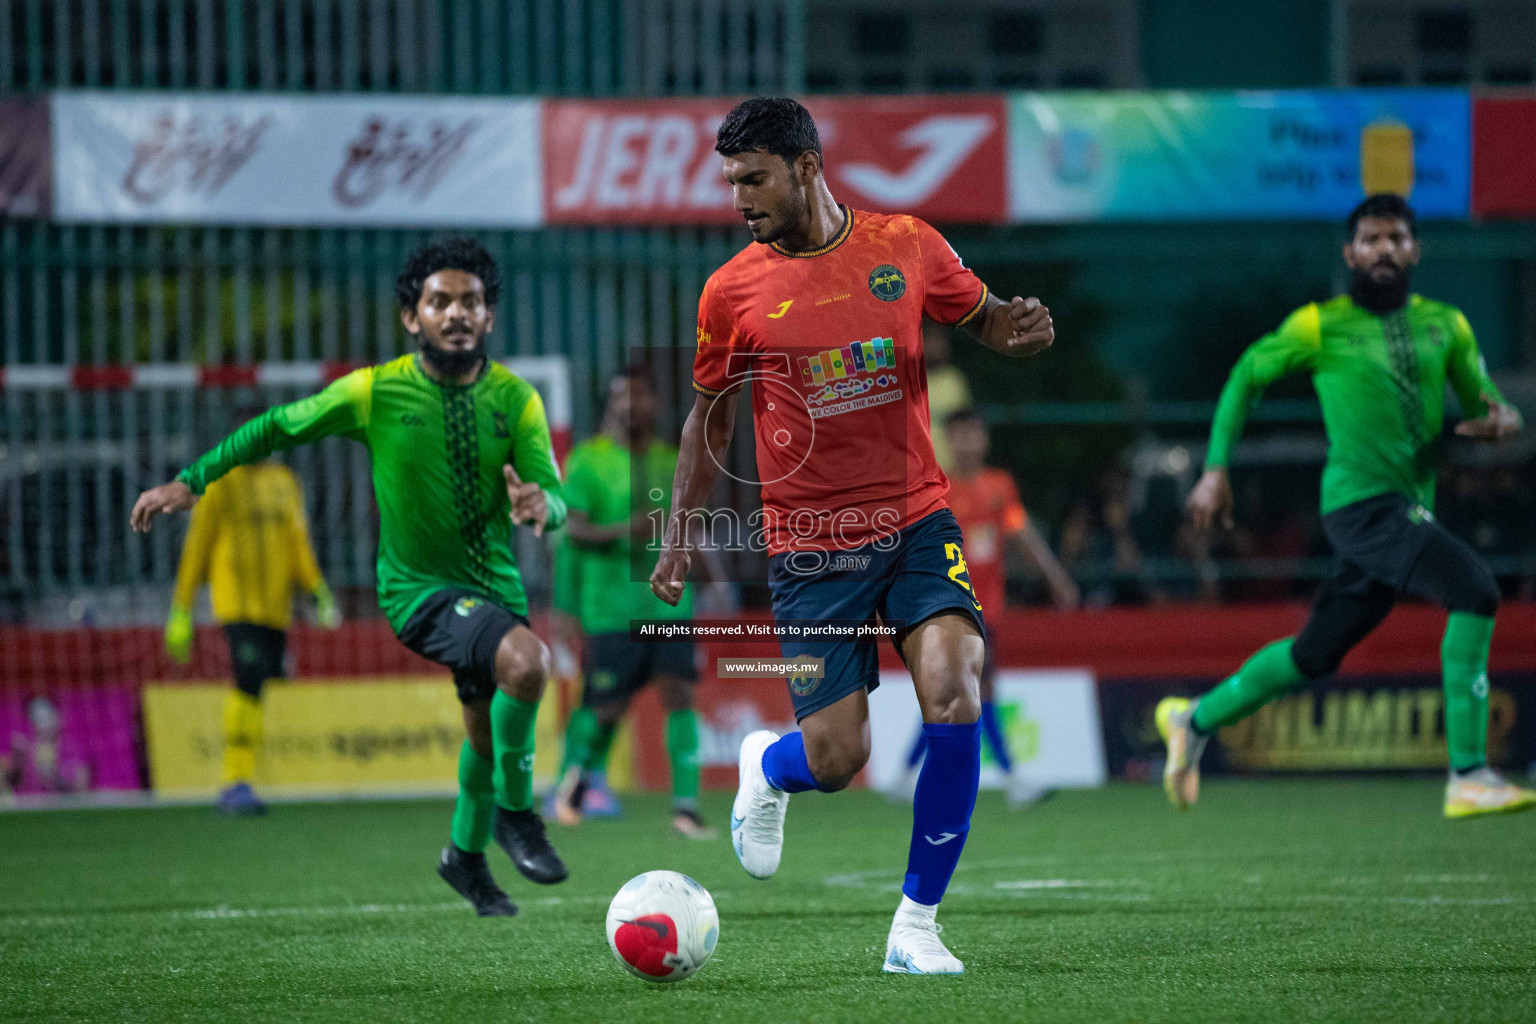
377 734
1356 729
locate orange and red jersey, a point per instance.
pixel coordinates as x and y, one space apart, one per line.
831 341
988 510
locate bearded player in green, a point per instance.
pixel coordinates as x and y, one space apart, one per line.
1380 358
460 450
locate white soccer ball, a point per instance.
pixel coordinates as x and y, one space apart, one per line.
662 926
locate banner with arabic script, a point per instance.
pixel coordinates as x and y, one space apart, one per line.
297 160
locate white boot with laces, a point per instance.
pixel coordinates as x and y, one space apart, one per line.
914 946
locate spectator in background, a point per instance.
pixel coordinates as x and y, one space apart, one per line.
249 541
1098 548
948 391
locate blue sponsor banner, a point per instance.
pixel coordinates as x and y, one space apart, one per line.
1294 155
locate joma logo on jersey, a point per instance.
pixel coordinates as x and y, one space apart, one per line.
887 283
465 606
410 419
837 363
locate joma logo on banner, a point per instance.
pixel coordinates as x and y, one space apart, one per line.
197 155
385 156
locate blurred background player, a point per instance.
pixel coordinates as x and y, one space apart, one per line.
857 478
948 390
986 505
249 541
1380 358
451 436
618 487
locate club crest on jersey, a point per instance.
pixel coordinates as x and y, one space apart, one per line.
887 283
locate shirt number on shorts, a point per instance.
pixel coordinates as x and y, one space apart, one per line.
957 568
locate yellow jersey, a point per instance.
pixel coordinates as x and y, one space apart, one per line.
249 542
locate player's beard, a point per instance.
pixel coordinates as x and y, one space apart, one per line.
794 211
1379 297
453 363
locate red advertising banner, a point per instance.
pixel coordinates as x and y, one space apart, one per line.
25 150
1504 156
653 161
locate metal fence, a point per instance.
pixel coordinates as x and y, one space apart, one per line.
550 47
100 296
73 460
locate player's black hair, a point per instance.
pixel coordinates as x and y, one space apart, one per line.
455 253
1383 204
963 415
768 124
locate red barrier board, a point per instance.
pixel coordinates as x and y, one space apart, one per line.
653 161
1504 156
1195 641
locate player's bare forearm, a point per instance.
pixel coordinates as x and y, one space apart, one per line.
705 442
1018 328
706 438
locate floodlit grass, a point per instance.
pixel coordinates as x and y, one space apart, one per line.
1342 900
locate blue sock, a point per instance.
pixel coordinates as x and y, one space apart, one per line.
941 809
992 729
919 748
786 767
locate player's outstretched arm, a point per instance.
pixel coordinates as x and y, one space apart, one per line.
342 408
1210 501
1293 347
1018 328
1475 390
706 439
158 501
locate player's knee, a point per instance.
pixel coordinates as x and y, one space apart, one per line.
1481 596
1314 659
835 766
956 698
522 664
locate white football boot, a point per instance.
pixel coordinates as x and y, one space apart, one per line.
757 816
914 946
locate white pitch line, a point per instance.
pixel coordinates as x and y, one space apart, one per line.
226 913
1425 901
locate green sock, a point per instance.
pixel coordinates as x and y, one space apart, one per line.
580 731
471 829
601 743
1267 675
683 752
1464 661
512 734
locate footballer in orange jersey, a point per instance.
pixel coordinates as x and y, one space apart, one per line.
822 315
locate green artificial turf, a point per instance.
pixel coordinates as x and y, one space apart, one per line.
1341 900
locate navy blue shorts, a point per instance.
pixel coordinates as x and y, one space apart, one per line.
904 581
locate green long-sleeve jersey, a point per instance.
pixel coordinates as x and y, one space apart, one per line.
1381 383
437 452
